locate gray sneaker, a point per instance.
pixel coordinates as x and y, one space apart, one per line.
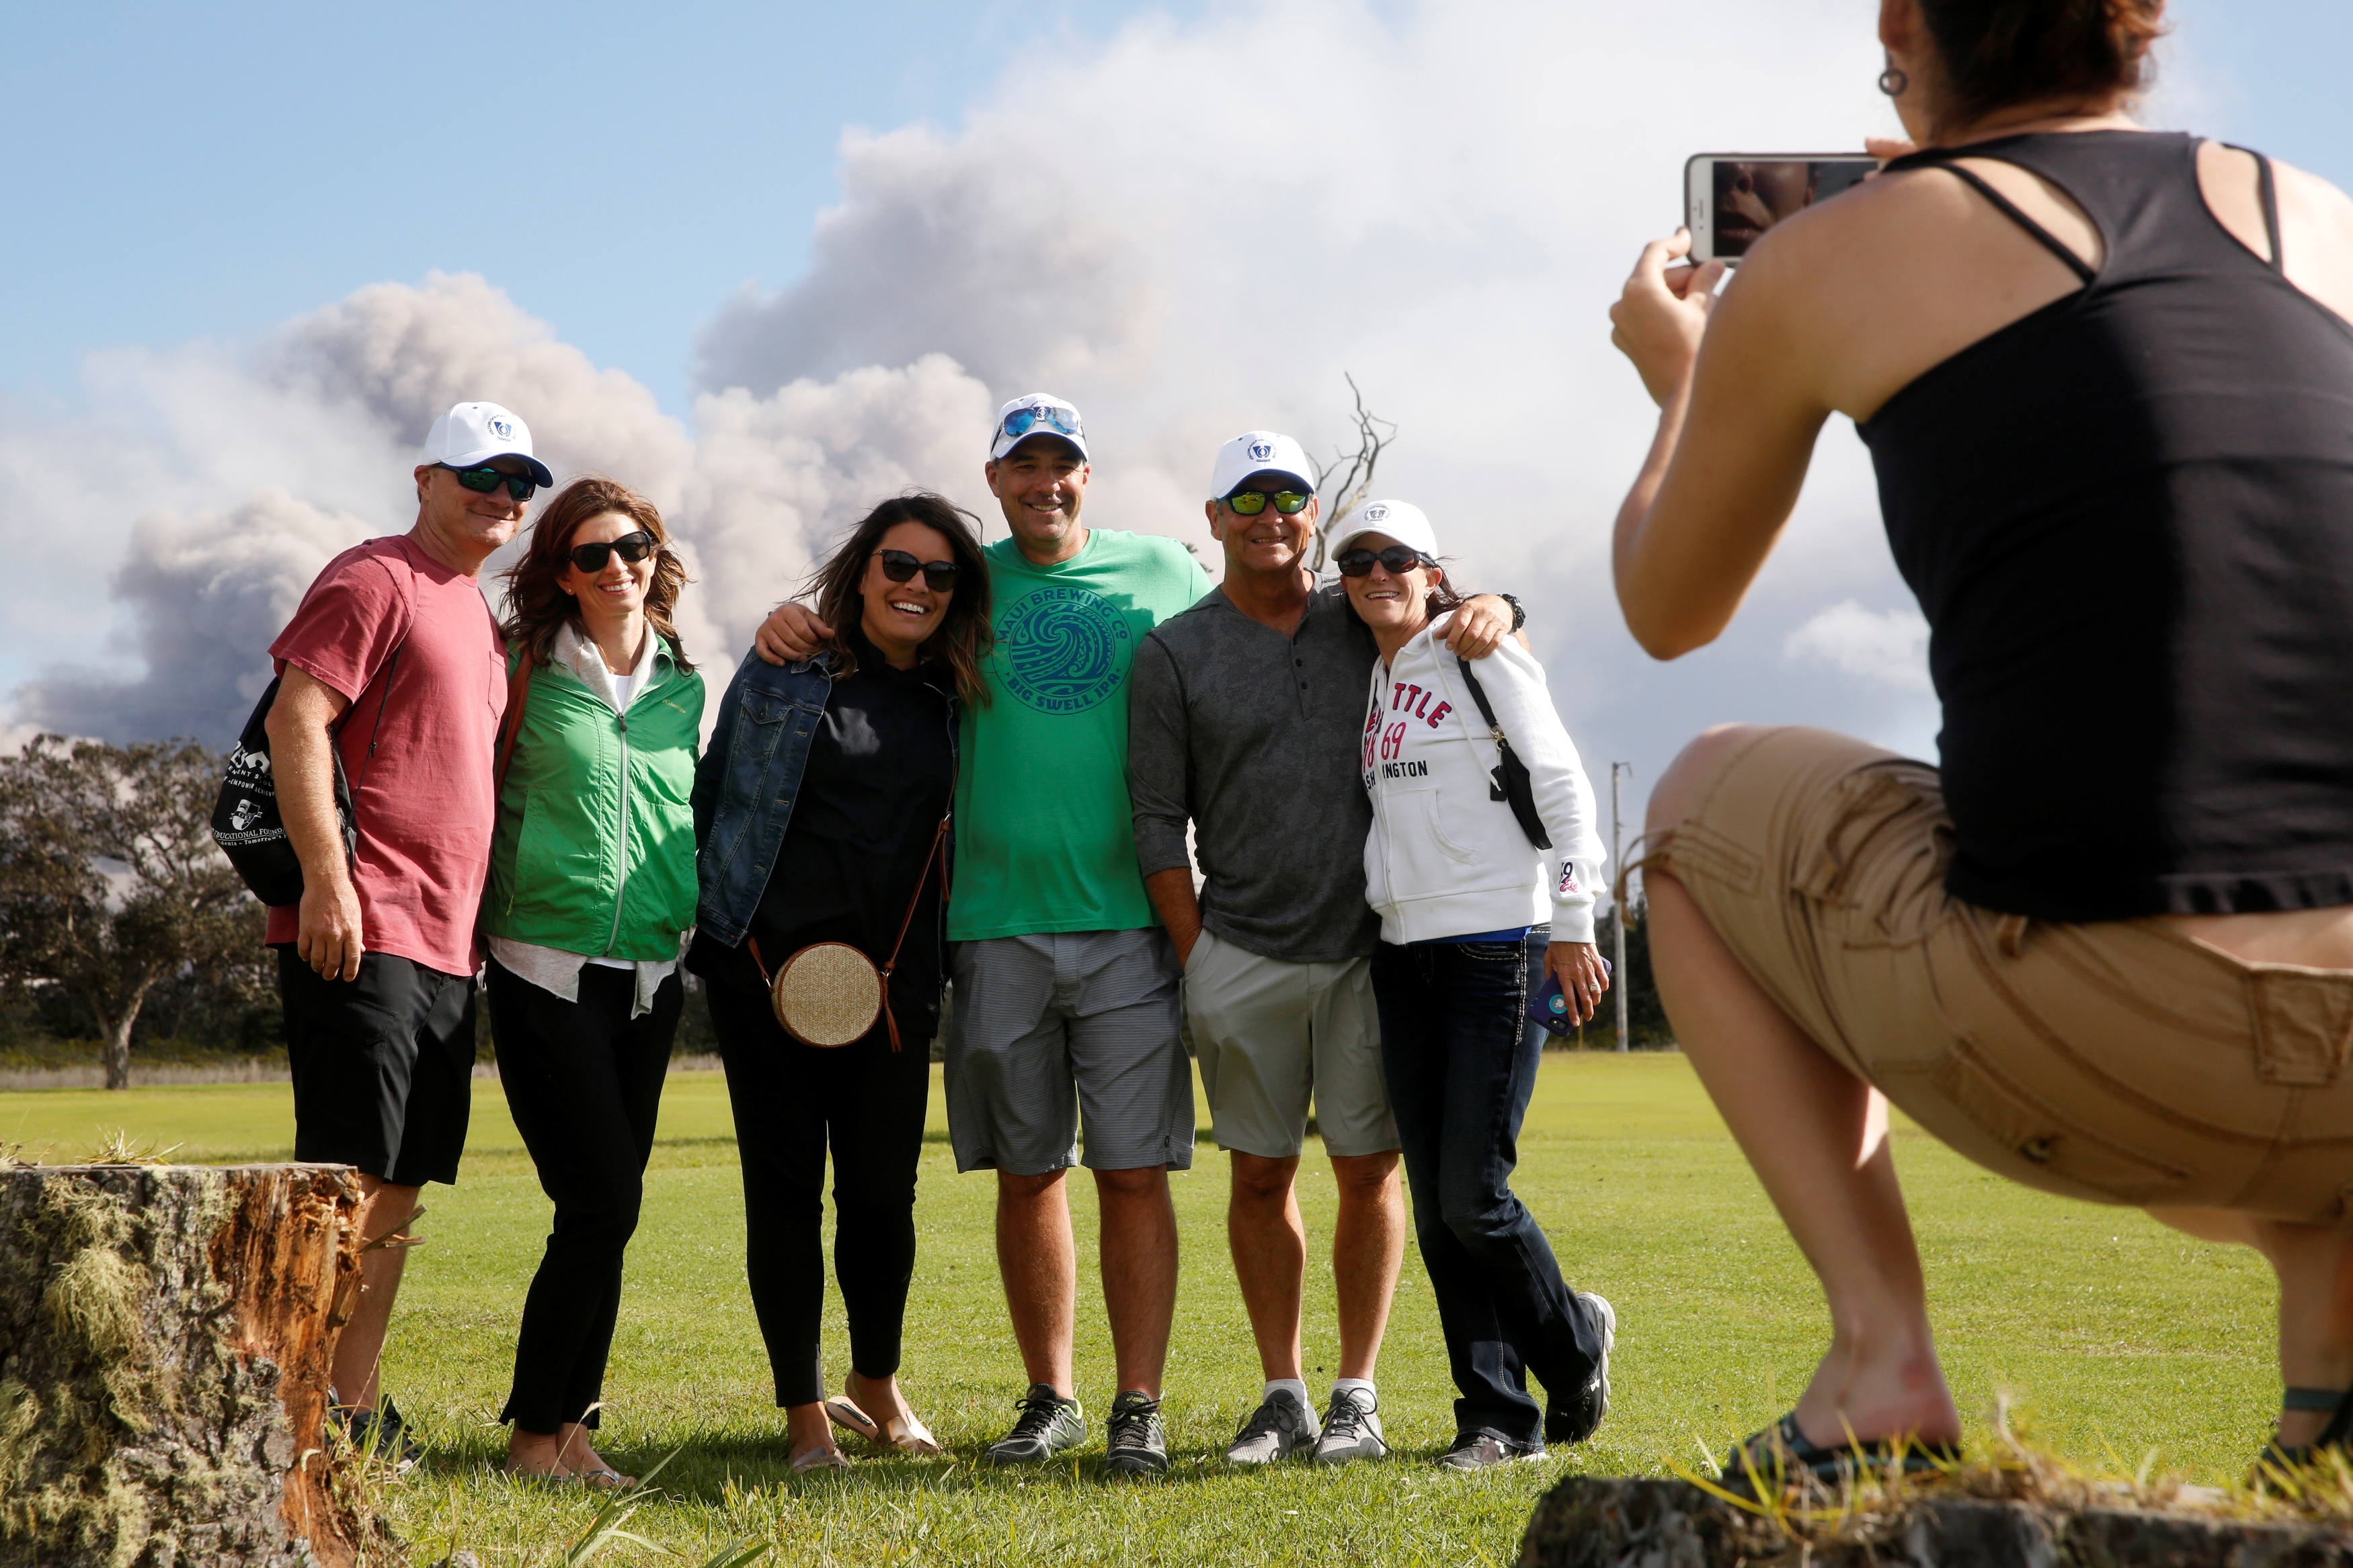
1352 1430
1280 1426
1136 1440
1047 1425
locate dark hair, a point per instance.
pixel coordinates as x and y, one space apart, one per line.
537 606
964 638
1999 52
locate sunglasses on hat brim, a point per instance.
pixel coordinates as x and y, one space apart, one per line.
1397 560
1055 421
483 480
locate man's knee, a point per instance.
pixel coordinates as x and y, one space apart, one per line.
1670 799
1129 1185
1366 1177
1014 1189
1261 1180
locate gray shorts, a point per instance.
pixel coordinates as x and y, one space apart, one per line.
1270 1034
1063 1029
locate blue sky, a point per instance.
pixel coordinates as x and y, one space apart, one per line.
208 171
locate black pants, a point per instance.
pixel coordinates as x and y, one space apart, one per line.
1461 1065
790 1100
584 1080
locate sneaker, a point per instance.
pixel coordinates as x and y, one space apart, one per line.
1478 1450
1574 1420
1352 1430
1280 1426
1047 1425
1136 1443
378 1433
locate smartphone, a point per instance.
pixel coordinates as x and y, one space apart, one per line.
1549 1008
1730 199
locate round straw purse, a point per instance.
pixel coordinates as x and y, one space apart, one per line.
829 993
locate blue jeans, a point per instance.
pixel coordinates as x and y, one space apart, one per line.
1461 1065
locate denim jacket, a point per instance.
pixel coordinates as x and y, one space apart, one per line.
747 779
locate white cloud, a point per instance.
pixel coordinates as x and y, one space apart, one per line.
1887 648
1192 228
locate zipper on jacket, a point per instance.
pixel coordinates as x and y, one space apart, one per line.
621 839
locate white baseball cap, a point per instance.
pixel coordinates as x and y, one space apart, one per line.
1400 519
1255 452
471 434
1038 414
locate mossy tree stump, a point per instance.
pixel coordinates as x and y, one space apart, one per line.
164 1353
1589 1523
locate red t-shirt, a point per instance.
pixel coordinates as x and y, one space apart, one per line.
424 802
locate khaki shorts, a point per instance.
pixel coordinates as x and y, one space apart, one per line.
1268 1034
2120 1061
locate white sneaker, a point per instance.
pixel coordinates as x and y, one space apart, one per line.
1280 1426
1352 1430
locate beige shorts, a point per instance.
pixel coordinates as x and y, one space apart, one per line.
1267 1035
2121 1061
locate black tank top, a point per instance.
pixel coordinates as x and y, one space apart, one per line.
2128 517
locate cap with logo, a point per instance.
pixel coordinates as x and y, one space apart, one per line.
1038 414
1255 452
1400 519
472 434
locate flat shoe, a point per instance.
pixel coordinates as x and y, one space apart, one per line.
604 1479
824 1457
912 1438
844 1412
2278 1456
1781 1453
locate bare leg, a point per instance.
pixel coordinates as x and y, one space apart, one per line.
1367 1246
806 1429
1139 1272
1817 1137
1038 1262
2314 1268
879 1397
1270 1246
384 1209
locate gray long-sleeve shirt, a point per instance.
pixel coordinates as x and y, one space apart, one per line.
1255 738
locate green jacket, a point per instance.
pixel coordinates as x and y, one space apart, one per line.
594 852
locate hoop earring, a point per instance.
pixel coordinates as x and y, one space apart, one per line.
1894 80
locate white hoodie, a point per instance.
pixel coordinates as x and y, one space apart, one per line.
1446 857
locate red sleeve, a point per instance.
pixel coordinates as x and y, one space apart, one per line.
347 625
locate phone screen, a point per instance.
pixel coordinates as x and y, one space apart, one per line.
1732 198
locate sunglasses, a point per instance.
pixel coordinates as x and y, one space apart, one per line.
939 576
1399 559
630 547
1021 421
1249 504
486 478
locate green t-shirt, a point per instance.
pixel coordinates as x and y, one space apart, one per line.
1044 841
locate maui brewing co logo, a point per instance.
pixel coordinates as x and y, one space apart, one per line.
1383 744
1064 650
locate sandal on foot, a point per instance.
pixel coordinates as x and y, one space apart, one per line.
844 1412
2338 1402
907 1435
1781 1454
604 1478
824 1457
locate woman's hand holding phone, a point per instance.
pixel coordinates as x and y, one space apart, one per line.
1662 315
1583 976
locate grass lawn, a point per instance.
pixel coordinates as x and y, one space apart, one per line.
2113 1336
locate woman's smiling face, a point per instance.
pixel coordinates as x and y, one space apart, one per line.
620 588
898 616
1388 600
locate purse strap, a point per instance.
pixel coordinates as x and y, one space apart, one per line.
939 838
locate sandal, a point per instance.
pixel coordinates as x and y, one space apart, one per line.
1780 1455
910 1437
824 1457
604 1478
844 1412
2277 1456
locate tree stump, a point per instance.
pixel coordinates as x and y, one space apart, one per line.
1587 1522
164 1362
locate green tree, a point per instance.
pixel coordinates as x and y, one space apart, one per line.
109 882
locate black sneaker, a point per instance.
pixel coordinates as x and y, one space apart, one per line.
1047 1425
1478 1450
1575 1418
1135 1441
378 1433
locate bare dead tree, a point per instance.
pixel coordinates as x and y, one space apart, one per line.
1355 470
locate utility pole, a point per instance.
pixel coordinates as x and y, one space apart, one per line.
1618 978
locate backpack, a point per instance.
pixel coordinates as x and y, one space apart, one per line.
246 820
